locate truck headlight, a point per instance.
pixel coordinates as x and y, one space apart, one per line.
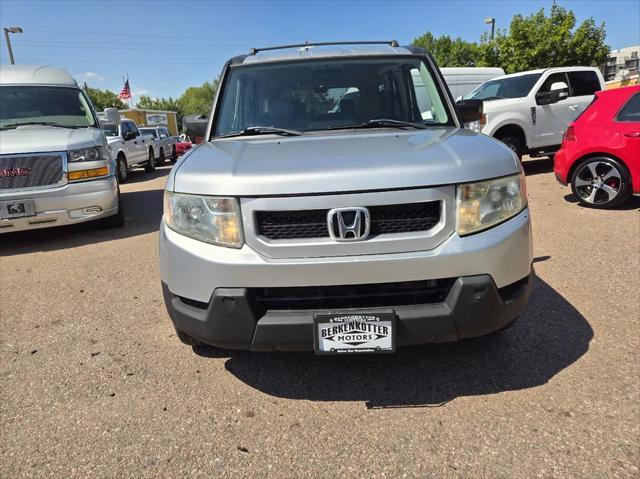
93 153
211 219
480 206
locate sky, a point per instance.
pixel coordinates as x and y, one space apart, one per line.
166 46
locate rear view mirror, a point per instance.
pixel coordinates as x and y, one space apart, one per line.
469 110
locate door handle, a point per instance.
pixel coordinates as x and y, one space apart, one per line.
135 142
633 134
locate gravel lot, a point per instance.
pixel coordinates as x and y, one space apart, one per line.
94 382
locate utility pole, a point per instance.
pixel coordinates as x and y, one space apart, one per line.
7 31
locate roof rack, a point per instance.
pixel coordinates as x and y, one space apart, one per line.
392 43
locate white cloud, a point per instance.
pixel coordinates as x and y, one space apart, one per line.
136 92
91 76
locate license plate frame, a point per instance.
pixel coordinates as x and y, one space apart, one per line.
17 209
384 343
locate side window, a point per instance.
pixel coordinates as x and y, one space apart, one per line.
163 133
631 110
584 83
133 128
551 79
124 128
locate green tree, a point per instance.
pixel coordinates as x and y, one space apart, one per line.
197 100
536 41
148 103
540 41
448 52
102 99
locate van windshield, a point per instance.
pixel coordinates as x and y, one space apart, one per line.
37 105
328 94
511 87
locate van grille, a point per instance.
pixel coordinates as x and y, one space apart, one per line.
385 219
30 171
354 296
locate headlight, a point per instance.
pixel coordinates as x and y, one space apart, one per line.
88 154
483 205
211 219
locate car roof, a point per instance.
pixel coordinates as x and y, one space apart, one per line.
305 52
551 70
35 75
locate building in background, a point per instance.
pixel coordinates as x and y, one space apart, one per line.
622 67
153 118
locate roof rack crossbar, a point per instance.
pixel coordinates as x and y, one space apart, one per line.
393 43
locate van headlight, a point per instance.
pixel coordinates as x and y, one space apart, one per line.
211 219
93 153
480 206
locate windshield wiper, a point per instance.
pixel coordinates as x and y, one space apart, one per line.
381 122
263 130
47 123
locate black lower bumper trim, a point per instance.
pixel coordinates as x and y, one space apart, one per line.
233 319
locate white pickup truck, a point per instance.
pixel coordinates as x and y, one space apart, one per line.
529 111
164 143
129 147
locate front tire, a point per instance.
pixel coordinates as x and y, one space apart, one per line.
514 143
122 169
150 165
174 154
162 159
601 182
113 221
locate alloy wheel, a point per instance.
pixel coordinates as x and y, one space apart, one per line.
598 182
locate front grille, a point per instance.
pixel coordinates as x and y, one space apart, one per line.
354 296
385 219
30 171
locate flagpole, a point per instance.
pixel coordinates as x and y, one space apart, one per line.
131 94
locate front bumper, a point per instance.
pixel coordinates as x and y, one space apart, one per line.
208 289
69 204
233 318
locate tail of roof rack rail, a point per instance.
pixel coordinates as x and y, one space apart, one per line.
392 43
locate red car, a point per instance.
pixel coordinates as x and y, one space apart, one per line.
182 146
600 152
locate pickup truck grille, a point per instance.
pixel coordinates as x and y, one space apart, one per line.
30 171
354 296
385 219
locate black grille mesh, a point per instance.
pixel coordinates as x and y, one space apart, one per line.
354 296
387 219
43 170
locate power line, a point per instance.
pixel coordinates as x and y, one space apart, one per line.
120 62
155 35
102 47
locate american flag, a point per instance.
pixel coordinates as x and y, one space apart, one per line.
125 94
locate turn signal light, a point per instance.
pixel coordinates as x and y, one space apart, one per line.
570 134
85 174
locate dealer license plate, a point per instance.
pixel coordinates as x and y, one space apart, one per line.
355 332
17 209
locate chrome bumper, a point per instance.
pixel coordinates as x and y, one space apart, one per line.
72 203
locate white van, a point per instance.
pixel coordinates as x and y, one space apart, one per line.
462 80
54 162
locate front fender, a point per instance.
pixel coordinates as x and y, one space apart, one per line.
495 121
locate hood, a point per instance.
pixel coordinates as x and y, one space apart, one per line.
37 139
341 162
501 104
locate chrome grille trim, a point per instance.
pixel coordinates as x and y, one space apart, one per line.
63 176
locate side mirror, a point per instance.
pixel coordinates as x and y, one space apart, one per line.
559 91
128 135
195 126
470 110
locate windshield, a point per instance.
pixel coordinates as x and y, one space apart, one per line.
511 87
149 131
110 130
57 106
328 94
